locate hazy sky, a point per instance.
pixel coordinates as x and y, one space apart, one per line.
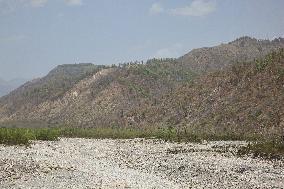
37 35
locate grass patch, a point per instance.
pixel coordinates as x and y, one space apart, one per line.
126 133
273 149
102 133
14 136
46 134
264 149
23 136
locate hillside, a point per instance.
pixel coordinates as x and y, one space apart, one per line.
219 57
206 88
50 87
99 98
243 99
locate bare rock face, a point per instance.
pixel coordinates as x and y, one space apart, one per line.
136 163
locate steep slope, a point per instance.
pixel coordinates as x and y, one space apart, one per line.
158 93
245 98
99 99
50 87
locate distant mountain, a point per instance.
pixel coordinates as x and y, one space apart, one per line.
234 85
8 86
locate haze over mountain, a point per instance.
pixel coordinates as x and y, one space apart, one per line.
8 86
198 90
142 94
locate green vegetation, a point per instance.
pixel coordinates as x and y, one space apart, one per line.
60 80
273 149
233 103
134 87
169 69
13 136
23 136
275 56
18 136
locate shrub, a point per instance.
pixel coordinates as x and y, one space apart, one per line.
23 136
46 134
273 149
15 136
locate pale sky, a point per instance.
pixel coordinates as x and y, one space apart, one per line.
37 35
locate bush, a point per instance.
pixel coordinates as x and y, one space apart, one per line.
256 148
46 134
23 136
15 136
273 149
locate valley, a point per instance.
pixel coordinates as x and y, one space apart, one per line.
213 118
155 94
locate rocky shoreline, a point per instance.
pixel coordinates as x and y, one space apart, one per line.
135 163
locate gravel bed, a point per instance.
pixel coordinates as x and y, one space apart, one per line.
136 163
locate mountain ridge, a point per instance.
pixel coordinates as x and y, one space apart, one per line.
242 49
138 95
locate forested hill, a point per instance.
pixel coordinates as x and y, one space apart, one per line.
224 87
240 50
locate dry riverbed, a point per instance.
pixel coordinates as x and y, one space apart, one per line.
136 163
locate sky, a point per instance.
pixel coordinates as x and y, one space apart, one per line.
37 35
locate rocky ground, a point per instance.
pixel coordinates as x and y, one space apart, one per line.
137 163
